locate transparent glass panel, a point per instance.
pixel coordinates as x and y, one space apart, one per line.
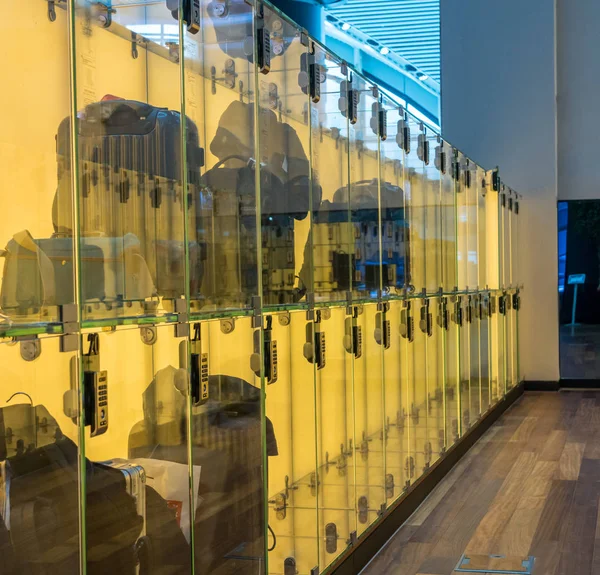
363 114
333 258
415 191
421 446
472 317
228 447
284 147
484 351
472 193
446 161
130 160
37 272
465 364
498 338
369 460
396 406
505 274
433 212
517 272
482 247
492 222
219 95
436 430
394 221
135 393
292 486
39 458
463 221
453 319
335 432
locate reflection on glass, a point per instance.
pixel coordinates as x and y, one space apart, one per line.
286 188
227 447
446 161
135 400
394 209
352 283
39 450
415 190
129 163
579 290
37 270
290 406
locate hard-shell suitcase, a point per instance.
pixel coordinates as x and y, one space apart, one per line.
131 182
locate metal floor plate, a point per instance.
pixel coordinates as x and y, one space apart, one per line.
501 564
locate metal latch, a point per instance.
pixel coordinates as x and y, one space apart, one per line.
407 323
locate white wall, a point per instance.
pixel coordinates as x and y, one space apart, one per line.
498 106
578 68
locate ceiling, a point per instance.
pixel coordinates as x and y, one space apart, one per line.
410 28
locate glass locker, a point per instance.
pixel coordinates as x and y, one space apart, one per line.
362 110
129 160
40 450
136 405
36 253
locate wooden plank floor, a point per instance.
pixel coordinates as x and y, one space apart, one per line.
529 486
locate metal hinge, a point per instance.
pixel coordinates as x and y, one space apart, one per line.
263 42
349 98
423 149
182 327
403 135
69 341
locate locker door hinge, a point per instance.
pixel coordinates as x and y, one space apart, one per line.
456 168
403 135
440 159
309 77
263 39
467 174
379 120
469 309
457 316
443 319
69 340
423 148
516 301
182 327
383 332
502 304
495 180
426 321
407 323
265 363
353 334
348 102
315 349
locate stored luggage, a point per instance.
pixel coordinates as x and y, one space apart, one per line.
226 444
131 182
39 506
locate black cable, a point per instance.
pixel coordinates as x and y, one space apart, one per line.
274 539
20 393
